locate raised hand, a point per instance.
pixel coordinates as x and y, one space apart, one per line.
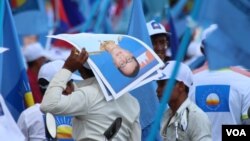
76 59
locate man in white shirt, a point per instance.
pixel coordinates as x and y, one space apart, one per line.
87 104
224 95
31 121
183 120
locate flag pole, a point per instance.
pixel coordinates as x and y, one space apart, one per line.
168 89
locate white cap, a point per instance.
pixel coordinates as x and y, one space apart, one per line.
184 74
34 51
156 28
48 70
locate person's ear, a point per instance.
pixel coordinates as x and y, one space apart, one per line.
181 86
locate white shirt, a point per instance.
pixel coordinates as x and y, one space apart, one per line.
9 130
189 123
31 123
92 113
225 97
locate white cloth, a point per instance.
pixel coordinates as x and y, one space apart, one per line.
92 113
9 130
189 123
31 123
224 95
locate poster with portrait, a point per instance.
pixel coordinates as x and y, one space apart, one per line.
108 96
121 62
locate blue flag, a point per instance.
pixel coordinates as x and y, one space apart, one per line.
230 42
146 94
174 41
13 78
169 87
30 17
137 25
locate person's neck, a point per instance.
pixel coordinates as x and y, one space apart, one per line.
175 105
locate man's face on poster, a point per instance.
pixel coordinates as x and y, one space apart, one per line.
124 61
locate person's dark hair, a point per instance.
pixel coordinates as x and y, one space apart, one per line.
33 63
30 64
186 87
43 85
136 70
202 48
162 34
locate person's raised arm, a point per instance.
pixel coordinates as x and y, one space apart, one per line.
76 60
53 100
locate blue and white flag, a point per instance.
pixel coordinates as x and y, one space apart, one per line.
229 44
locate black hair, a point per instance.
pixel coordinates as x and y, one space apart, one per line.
202 47
32 63
186 87
136 70
43 85
162 34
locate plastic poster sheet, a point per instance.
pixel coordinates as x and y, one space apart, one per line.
105 51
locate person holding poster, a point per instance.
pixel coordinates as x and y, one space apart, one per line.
92 114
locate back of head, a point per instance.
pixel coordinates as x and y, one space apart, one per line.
49 69
47 72
184 74
155 28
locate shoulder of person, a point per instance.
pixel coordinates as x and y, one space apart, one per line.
196 111
200 69
133 102
32 109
